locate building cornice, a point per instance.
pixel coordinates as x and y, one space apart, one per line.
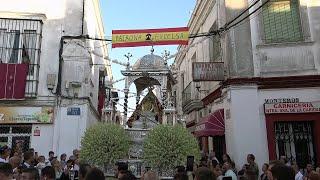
23 15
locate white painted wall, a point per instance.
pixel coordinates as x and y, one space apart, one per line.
43 143
245 131
70 130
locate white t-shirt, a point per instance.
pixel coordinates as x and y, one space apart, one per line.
230 173
76 167
3 160
26 164
298 176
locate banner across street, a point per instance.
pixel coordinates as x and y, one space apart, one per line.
150 37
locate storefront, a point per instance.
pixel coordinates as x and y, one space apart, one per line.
210 133
293 131
19 125
269 122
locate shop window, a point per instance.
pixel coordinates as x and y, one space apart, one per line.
4 130
281 21
23 140
16 135
295 141
21 129
3 141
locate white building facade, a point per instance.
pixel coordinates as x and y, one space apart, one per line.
270 92
66 77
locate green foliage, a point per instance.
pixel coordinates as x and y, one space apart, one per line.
168 146
104 143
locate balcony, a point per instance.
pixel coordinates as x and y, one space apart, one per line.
190 99
20 42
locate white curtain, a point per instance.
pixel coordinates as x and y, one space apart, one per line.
3 45
13 48
29 46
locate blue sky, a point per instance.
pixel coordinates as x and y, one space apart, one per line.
141 14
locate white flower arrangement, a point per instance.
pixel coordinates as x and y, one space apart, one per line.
168 146
104 143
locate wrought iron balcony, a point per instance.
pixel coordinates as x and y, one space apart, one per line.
190 99
20 42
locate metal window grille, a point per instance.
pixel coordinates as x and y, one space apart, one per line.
186 94
12 135
281 21
20 42
295 141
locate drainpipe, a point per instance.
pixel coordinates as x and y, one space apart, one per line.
58 90
82 21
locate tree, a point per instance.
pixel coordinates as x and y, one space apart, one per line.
166 147
104 143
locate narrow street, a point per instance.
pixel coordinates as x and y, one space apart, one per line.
184 90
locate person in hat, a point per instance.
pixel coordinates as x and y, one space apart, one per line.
4 154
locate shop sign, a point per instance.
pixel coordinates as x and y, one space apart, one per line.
150 37
73 111
26 115
300 107
208 71
282 100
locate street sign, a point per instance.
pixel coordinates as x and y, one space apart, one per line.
208 71
73 111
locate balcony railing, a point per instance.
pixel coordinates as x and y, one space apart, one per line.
190 99
186 94
20 42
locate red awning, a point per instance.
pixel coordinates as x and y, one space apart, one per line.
211 125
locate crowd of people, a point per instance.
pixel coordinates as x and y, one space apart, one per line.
210 168
28 165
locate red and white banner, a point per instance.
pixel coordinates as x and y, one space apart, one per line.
13 80
150 37
300 107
